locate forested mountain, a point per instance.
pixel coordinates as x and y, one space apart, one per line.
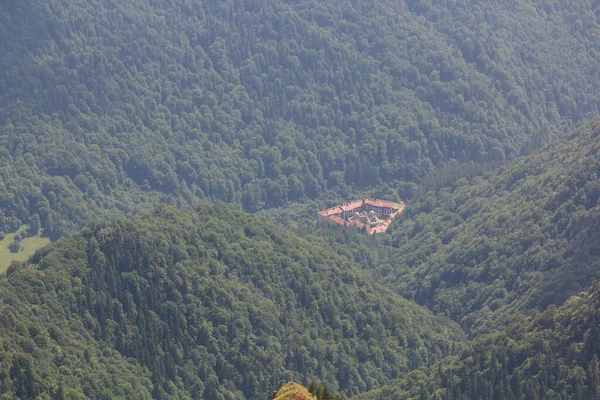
519 238
553 355
459 107
108 107
204 304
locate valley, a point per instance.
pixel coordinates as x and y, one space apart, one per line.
163 164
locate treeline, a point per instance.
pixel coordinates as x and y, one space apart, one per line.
107 109
321 392
205 304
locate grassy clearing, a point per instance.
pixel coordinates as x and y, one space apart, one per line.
28 247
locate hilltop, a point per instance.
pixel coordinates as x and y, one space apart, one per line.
293 391
211 303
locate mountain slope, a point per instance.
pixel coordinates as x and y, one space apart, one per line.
211 303
107 108
293 391
522 237
553 355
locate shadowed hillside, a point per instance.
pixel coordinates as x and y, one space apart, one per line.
107 108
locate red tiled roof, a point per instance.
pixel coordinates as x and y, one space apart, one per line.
330 211
340 209
352 206
337 220
334 213
381 203
382 227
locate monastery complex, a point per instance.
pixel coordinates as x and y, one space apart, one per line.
372 214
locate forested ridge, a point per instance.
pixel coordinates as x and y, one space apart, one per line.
204 304
479 242
552 355
497 248
215 303
519 238
460 108
107 108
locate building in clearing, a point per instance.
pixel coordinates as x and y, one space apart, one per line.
372 214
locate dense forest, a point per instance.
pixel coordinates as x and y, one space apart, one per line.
552 355
216 303
212 304
521 237
175 154
107 108
482 241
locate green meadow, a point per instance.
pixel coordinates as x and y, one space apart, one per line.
27 248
